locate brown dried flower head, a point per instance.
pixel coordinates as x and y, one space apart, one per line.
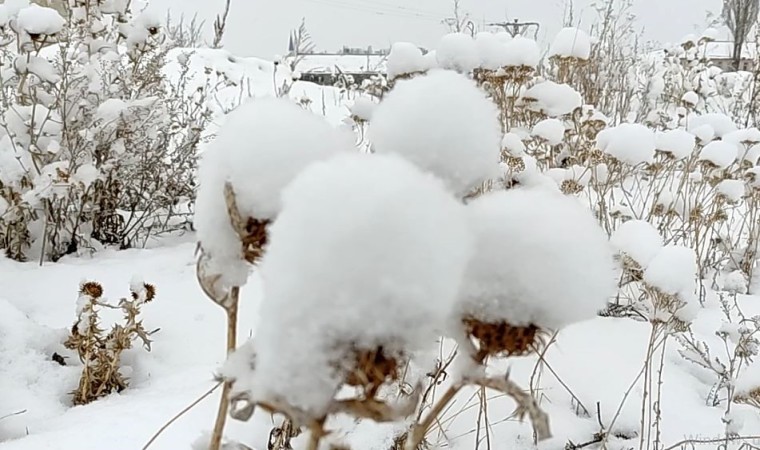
502 338
92 289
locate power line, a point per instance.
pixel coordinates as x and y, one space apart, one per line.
392 12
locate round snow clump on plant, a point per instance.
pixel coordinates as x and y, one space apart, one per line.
405 58
443 123
630 143
457 51
720 153
678 143
691 98
637 239
260 148
522 51
553 99
550 130
368 251
36 19
747 136
540 258
720 123
491 51
705 133
363 108
673 270
571 43
513 144
752 155
732 190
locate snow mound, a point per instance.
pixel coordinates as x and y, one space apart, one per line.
527 269
637 239
443 123
678 143
385 269
553 99
457 51
261 147
630 143
571 43
405 58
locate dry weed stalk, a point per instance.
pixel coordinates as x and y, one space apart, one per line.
253 237
490 340
101 354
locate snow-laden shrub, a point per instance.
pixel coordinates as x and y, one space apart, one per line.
365 256
96 146
442 123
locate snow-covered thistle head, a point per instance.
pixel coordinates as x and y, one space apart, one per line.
540 261
364 264
571 43
671 278
628 143
405 60
445 125
261 147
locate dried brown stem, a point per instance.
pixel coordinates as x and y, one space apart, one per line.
231 307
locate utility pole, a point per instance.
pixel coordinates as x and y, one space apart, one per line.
515 27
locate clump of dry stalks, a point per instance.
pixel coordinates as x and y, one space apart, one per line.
100 353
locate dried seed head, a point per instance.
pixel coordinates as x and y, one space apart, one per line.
516 164
503 339
150 292
571 187
92 289
371 369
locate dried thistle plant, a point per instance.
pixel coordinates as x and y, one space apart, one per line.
100 353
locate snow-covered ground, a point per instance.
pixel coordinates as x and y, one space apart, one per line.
597 360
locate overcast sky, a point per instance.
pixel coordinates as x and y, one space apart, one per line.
261 27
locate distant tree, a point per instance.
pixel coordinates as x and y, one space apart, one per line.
740 16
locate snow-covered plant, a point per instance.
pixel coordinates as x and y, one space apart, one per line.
444 124
242 176
560 270
351 306
96 146
100 352
732 366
